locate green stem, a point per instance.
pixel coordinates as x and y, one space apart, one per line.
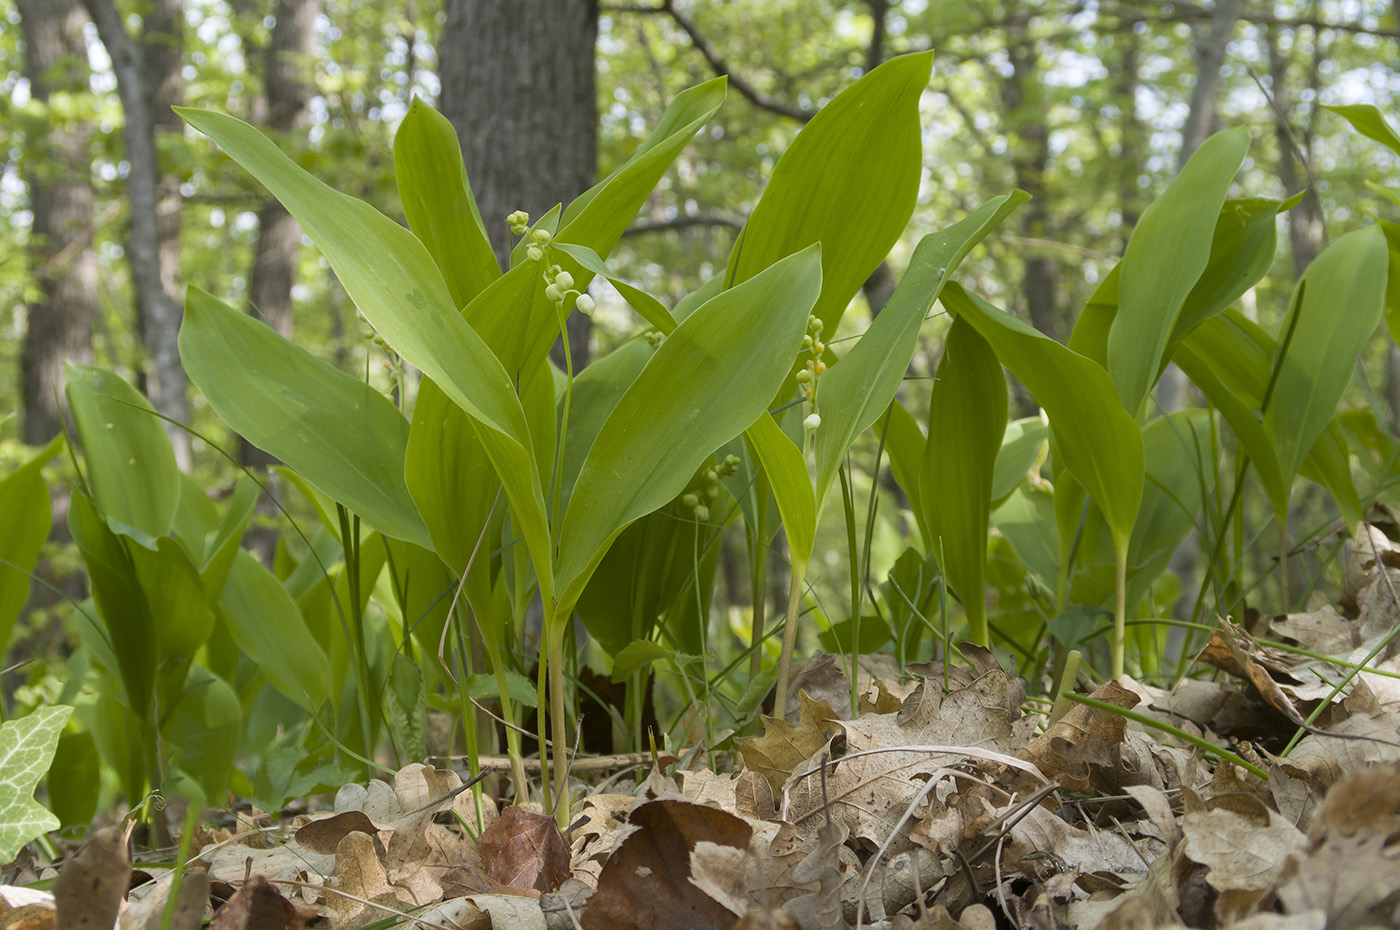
758 572
799 574
350 546
1120 606
559 753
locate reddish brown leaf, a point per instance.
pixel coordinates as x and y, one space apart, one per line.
257 906
646 882
525 850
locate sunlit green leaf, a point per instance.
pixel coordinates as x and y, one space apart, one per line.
437 199
130 463
1098 441
1169 249
24 500
967 420
338 432
849 181
704 385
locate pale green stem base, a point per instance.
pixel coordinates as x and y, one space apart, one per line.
1120 609
799 574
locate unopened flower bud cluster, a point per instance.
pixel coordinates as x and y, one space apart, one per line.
807 377
559 284
697 501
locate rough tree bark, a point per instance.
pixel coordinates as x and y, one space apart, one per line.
57 170
1024 118
518 85
158 309
286 100
1210 57
1306 227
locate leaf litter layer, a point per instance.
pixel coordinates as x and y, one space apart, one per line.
945 803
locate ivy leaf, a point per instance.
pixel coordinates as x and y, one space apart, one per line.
26 751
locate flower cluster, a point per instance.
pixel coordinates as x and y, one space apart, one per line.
807 377
559 283
697 501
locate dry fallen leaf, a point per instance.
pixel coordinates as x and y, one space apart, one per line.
646 881
523 849
783 747
821 908
323 836
359 872
92 884
256 906
1081 749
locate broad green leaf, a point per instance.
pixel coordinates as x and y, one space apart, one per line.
195 517
73 792
1027 520
201 734
269 628
1368 120
1226 358
637 655
709 380
848 180
597 390
1180 471
967 420
24 500
792 487
338 432
1022 446
423 589
120 602
181 619
1336 307
448 474
1098 441
437 199
26 751
904 444
519 688
130 464
1329 464
1392 278
1241 253
218 558
1169 249
393 280
858 389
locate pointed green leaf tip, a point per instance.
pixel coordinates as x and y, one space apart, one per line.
26 751
849 181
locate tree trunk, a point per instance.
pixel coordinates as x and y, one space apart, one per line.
149 247
288 94
518 86
57 170
1210 56
1132 144
1022 100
